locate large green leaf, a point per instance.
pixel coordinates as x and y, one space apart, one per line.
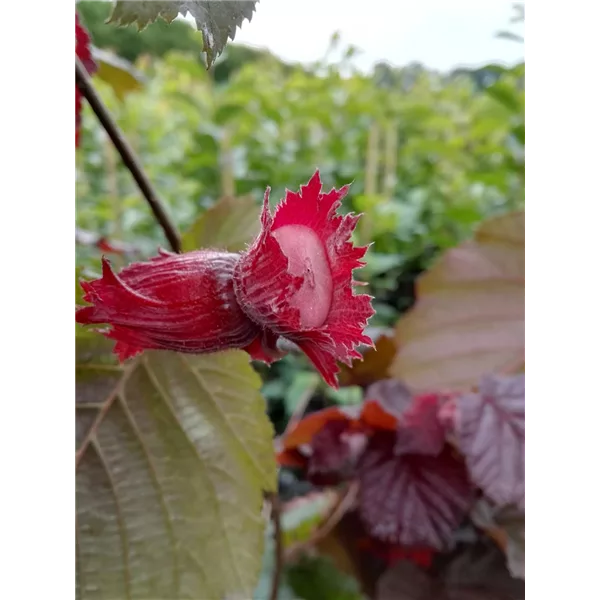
173 453
217 20
230 225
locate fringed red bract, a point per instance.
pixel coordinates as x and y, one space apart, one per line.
294 281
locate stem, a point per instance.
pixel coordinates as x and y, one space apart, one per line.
391 157
371 177
372 163
273 498
226 160
346 501
127 154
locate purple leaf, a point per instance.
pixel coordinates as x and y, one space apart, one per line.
478 575
335 450
490 432
405 581
478 572
420 430
411 499
392 395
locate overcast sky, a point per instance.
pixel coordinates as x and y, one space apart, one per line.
441 34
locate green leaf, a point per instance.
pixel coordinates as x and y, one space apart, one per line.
346 396
506 95
228 225
378 263
273 389
217 20
301 516
226 113
317 578
117 72
304 384
173 453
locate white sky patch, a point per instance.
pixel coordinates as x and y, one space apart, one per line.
441 34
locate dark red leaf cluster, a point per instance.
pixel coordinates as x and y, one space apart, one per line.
391 554
84 52
421 462
477 572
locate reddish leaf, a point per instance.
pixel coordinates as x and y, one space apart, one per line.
373 366
390 407
88 238
412 499
393 553
335 450
475 574
84 52
291 458
420 429
375 416
389 399
490 432
309 426
405 581
469 318
108 247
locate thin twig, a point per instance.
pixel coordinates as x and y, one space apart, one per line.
127 154
273 499
341 507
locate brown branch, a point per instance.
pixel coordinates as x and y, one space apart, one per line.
130 160
273 498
